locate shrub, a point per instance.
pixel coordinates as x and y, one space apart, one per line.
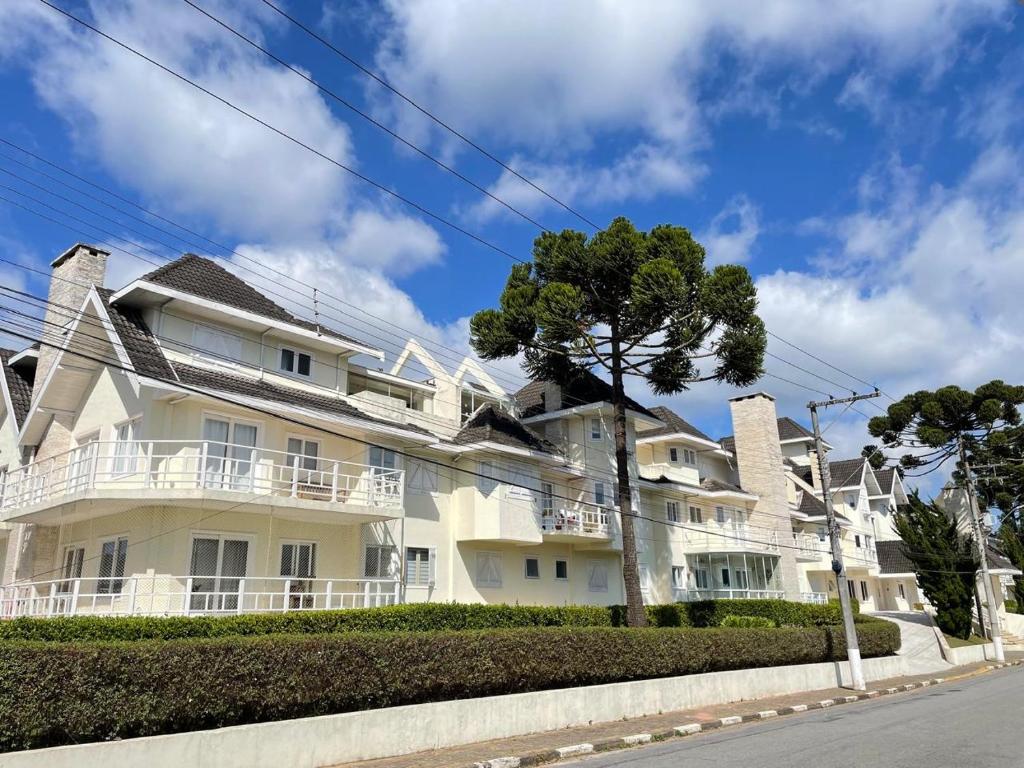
417 617
747 622
1013 607
60 693
710 613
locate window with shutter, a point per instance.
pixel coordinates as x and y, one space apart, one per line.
679 577
422 476
488 569
597 576
417 567
486 480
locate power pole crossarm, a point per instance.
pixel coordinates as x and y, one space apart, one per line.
852 646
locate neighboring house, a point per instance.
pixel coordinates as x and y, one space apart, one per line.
186 445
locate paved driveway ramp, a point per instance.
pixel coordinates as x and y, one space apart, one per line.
919 646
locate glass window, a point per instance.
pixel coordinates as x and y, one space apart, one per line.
742 582
488 569
298 560
379 562
306 451
701 578
562 570
112 557
599 496
532 568
678 577
287 360
672 511
673 455
720 514
597 576
725 577
486 480
864 590
822 533
383 458
418 567
689 456
595 429
422 476
305 363
125 450
218 344
547 499
295 362
856 539
903 592
696 516
851 587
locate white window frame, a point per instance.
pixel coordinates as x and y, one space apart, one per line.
672 511
296 355
526 567
227 359
696 515
600 497
742 578
113 578
487 477
492 583
422 477
595 567
673 455
595 426
564 561
232 420
303 456
419 579
391 551
902 590
250 538
720 515
678 575
314 555
864 596
701 575
122 464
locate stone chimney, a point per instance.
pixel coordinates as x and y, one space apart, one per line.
759 461
74 272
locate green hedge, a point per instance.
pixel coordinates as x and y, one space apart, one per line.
63 693
748 622
421 617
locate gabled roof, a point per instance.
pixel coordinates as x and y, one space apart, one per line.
18 386
813 507
206 279
583 389
892 557
788 430
137 340
885 478
846 472
674 425
491 424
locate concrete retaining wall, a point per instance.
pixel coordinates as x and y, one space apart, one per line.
319 741
969 654
1012 623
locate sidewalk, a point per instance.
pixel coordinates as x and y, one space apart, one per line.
536 748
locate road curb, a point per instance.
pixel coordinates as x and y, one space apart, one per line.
547 756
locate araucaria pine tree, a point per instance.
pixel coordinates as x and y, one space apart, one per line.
944 561
631 303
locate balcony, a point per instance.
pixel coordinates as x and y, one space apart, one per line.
713 536
693 595
158 595
582 523
810 549
196 472
814 598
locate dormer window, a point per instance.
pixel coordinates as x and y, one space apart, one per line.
295 362
687 455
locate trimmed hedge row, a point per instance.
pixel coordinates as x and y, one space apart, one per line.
421 617
61 693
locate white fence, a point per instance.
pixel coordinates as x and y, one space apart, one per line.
712 536
584 521
690 595
817 598
158 595
189 465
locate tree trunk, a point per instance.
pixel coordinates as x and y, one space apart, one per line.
635 615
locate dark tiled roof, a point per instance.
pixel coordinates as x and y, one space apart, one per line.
710 484
885 478
491 424
845 472
202 378
892 557
674 424
804 473
810 505
788 430
583 389
208 280
996 556
19 380
137 340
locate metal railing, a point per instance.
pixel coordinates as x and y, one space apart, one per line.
690 595
809 545
582 521
159 595
816 598
189 465
715 536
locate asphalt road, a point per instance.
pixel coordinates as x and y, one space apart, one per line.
978 722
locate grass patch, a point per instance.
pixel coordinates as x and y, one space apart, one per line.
956 642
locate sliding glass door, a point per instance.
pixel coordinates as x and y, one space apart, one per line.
217 566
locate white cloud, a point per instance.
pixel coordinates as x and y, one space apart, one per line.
731 235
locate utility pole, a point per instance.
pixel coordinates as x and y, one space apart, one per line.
852 646
980 540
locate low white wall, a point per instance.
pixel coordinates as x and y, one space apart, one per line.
330 739
1012 624
970 654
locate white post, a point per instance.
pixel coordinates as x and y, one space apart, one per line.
397 594
202 464
241 595
287 594
187 607
334 482
252 470
330 595
149 464
52 599
366 595
295 476
75 589
133 585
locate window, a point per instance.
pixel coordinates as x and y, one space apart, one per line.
221 345
695 515
690 456
547 499
303 455
597 576
73 559
851 587
217 566
700 576
864 590
488 569
595 429
599 497
822 533
562 570
726 582
383 458
295 362
379 563
298 560
742 582
124 447
486 479
531 568
112 557
419 567
903 592
673 455
678 577
856 539
672 511
867 541
422 476
720 514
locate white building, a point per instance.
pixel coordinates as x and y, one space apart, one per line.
185 445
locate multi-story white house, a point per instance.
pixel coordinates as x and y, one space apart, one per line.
186 445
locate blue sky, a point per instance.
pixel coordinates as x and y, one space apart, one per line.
863 159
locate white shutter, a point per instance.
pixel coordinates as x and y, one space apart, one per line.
432 566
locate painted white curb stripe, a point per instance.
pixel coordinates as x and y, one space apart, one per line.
687 730
639 738
575 749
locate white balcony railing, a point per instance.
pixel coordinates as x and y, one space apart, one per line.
157 595
190 465
810 546
691 595
862 556
582 521
816 598
713 536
